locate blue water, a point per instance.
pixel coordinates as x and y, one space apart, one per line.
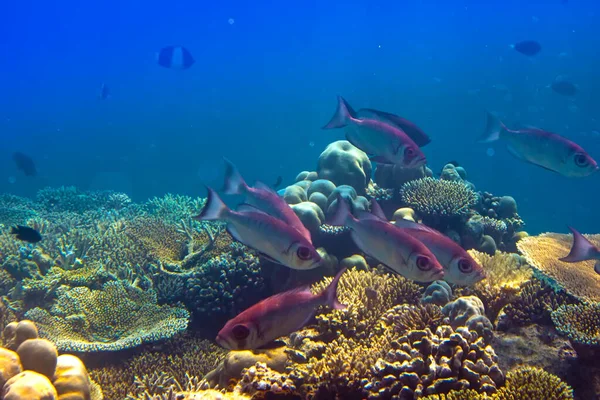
263 86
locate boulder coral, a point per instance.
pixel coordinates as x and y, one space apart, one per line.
344 164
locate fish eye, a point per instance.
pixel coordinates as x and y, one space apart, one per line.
465 266
303 253
240 332
423 263
581 160
409 152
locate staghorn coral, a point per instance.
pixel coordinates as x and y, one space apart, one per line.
579 322
367 295
543 253
69 198
533 384
114 318
174 208
422 362
436 198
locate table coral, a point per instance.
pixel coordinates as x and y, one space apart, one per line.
543 252
114 318
436 198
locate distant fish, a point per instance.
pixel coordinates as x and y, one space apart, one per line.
582 250
263 198
104 92
564 88
278 182
26 234
527 47
275 239
277 316
175 57
383 141
410 128
545 149
25 163
391 245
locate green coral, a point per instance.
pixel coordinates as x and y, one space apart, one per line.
114 318
579 322
437 198
533 384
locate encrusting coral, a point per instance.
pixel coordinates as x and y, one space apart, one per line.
432 198
117 317
578 279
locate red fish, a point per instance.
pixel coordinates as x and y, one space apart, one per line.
383 141
409 127
582 250
276 316
545 149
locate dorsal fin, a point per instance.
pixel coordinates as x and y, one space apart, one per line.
376 210
406 224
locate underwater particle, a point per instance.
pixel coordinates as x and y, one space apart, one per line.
24 163
26 234
311 143
564 88
231 21
175 57
12 180
104 92
527 47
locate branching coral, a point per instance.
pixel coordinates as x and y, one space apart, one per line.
533 384
543 253
174 208
114 318
405 317
579 322
433 197
158 238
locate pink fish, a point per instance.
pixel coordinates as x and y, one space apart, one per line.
582 250
276 316
270 236
391 245
262 197
383 141
410 128
545 149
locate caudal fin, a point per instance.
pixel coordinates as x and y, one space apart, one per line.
234 183
213 209
493 128
330 294
581 250
342 213
341 116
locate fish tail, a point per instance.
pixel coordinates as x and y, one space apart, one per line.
581 250
493 128
14 230
341 116
330 293
342 215
214 208
234 183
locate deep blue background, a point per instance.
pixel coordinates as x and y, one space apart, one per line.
262 88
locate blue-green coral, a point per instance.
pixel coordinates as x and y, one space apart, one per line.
434 197
579 322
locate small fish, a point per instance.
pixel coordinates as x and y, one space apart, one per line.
527 47
278 182
545 149
263 198
564 88
408 127
26 234
276 316
275 239
104 92
25 164
175 57
391 245
582 250
383 141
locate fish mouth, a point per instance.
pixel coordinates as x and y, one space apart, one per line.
417 162
437 275
221 342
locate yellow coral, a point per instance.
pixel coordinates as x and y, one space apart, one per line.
580 322
458 395
543 253
503 270
162 240
533 384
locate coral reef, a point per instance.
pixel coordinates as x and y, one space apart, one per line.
579 322
344 164
438 292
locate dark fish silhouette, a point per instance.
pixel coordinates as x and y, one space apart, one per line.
104 92
564 88
278 182
26 234
25 163
528 47
175 57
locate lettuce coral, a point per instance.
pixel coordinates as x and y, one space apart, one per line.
117 317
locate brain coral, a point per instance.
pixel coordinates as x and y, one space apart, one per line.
117 317
579 322
543 253
434 197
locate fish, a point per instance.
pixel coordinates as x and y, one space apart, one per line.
527 47
542 148
410 128
26 233
384 142
263 198
391 245
582 250
273 238
278 182
564 88
175 57
25 163
277 316
104 92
